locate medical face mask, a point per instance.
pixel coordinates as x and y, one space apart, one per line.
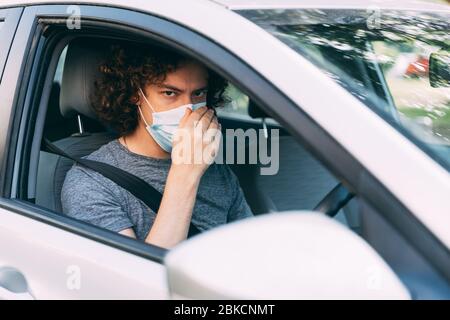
165 123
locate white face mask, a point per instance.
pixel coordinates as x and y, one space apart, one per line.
165 123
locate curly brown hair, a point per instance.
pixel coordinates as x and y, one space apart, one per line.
132 66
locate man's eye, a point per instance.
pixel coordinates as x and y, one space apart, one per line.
200 93
169 93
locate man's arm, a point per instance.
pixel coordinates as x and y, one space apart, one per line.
171 225
128 232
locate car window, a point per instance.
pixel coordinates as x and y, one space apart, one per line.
237 105
295 166
405 67
381 60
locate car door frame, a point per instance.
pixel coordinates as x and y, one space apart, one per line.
10 19
319 141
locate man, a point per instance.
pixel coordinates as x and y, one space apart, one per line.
161 104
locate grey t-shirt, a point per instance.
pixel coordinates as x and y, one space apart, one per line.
89 196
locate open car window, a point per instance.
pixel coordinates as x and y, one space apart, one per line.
293 168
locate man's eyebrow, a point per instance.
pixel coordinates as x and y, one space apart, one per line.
170 87
202 88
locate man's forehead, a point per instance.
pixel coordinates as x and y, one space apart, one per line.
190 76
184 83
189 72
183 87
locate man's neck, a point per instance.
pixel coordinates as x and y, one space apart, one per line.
141 142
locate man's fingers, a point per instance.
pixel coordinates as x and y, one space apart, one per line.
213 132
206 119
212 140
214 123
186 116
197 115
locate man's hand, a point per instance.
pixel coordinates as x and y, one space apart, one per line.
196 142
195 146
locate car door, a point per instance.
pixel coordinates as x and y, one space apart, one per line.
44 255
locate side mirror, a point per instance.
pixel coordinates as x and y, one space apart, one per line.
440 69
291 255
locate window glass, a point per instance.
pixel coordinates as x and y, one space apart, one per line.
382 58
237 105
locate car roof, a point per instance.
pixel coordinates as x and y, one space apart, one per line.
259 4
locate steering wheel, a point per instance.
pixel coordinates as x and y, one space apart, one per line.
334 201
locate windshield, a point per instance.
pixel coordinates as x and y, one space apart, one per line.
382 58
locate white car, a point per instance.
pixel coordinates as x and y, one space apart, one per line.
358 208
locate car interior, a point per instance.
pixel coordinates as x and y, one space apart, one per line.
300 183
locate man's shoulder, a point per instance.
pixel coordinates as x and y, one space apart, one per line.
80 174
105 153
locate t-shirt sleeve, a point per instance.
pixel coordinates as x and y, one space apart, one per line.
86 197
239 208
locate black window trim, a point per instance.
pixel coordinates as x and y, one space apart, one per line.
310 134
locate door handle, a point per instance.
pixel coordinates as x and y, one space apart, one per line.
13 285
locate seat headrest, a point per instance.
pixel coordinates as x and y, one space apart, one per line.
255 112
81 68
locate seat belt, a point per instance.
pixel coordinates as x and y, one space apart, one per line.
135 185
